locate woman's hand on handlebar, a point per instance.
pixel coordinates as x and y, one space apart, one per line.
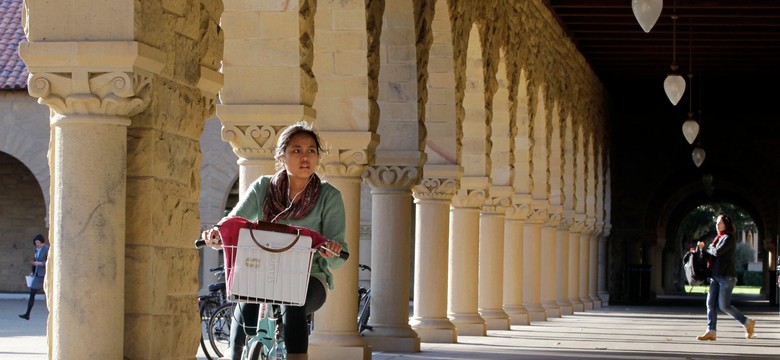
212 237
334 247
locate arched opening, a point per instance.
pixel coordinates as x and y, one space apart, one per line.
22 216
699 225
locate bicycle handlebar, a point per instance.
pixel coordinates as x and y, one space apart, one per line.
343 254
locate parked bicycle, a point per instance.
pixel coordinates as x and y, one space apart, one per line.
208 305
218 329
364 304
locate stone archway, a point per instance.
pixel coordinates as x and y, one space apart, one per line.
677 206
22 216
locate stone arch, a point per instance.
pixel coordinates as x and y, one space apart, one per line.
218 173
28 150
474 138
399 128
23 212
440 115
501 129
664 218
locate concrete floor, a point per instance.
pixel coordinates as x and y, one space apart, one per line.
665 329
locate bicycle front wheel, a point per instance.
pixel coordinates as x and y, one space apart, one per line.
256 351
219 329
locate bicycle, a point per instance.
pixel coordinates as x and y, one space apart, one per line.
271 274
218 329
208 305
364 304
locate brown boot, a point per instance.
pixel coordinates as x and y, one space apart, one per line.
750 325
297 356
709 335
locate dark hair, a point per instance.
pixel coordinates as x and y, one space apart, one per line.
39 237
300 127
729 224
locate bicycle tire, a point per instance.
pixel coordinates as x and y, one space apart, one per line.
219 329
364 312
256 351
207 309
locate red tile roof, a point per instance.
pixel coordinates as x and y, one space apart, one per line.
13 72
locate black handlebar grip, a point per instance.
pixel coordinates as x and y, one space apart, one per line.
200 243
344 255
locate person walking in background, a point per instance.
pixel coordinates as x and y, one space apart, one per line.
38 272
295 195
720 259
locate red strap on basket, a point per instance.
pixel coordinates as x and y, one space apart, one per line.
229 227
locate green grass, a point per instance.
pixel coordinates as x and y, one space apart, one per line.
702 289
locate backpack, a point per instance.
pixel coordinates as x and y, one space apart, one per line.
695 265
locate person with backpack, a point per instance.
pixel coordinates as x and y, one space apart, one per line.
720 259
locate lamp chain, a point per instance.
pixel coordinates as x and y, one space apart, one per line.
690 70
674 36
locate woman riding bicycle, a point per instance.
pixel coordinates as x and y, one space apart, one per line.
295 195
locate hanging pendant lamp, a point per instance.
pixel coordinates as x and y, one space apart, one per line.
674 85
690 130
698 156
690 127
647 12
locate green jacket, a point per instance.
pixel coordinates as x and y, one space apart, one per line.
327 218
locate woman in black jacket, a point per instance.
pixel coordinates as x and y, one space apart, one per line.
38 272
720 259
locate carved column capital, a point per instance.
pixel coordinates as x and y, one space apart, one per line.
252 142
518 211
539 213
392 177
497 204
431 188
469 198
112 94
345 162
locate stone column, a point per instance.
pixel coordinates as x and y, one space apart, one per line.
574 266
584 269
548 265
335 334
491 258
433 196
602 276
390 258
91 97
464 257
593 269
562 268
513 265
532 263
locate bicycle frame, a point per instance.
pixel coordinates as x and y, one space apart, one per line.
268 342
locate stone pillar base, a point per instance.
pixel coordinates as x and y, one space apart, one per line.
587 304
469 325
321 352
566 308
495 319
435 330
536 312
577 305
405 344
447 336
552 309
518 315
604 296
596 303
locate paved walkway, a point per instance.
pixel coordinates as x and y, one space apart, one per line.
665 329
